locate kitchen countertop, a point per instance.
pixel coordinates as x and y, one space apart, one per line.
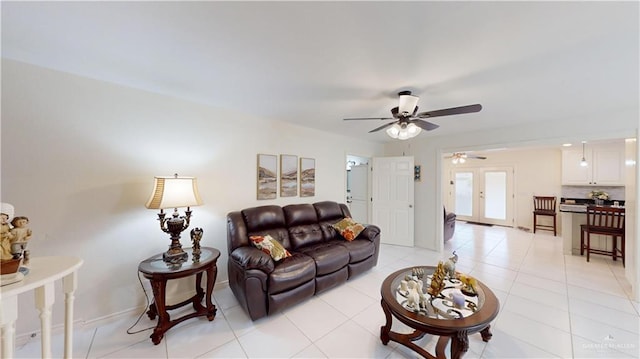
581 205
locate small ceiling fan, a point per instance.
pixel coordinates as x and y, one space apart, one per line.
408 122
461 157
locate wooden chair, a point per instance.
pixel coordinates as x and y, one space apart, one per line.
544 206
608 221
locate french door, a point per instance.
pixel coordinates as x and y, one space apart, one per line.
484 195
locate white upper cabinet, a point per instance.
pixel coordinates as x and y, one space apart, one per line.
605 166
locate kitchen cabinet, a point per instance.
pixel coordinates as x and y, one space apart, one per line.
605 166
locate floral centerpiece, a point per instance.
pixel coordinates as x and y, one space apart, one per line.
597 194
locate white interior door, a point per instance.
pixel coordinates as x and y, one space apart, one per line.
358 180
392 199
484 195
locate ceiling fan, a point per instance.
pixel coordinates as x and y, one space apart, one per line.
461 157
408 122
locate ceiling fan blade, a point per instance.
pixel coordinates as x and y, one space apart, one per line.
451 111
383 126
477 157
424 124
369 118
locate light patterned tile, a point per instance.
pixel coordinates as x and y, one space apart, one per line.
230 350
310 352
278 338
340 343
583 348
315 318
540 295
546 338
534 310
532 280
347 300
605 315
596 297
505 346
198 336
604 337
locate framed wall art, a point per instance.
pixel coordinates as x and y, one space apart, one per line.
307 177
288 176
267 176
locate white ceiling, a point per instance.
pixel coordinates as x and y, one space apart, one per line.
315 63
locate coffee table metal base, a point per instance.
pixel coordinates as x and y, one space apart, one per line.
459 340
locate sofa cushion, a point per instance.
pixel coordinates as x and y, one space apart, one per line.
329 211
291 272
328 214
303 225
348 228
329 256
359 249
270 246
265 220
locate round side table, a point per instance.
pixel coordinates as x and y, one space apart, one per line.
158 272
450 324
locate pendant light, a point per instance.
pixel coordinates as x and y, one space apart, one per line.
583 162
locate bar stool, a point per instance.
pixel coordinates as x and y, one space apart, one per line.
608 221
544 206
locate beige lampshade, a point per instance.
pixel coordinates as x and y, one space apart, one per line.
174 192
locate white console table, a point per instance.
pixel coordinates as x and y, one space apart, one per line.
43 272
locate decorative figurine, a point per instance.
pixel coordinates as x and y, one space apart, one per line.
196 236
450 266
469 286
6 237
413 296
437 280
457 299
21 235
417 272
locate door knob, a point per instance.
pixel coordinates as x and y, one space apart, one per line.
410 206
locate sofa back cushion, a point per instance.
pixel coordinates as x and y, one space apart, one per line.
303 225
330 213
265 220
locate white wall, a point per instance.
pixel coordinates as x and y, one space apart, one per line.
79 156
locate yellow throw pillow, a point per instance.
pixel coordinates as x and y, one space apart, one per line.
348 228
270 246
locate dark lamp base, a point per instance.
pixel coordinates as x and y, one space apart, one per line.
175 258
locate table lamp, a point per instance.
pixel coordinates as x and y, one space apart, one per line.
174 192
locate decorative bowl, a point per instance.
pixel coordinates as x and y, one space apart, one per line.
9 266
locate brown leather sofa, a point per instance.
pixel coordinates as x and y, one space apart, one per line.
449 225
321 258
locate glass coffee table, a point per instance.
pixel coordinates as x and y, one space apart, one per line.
453 314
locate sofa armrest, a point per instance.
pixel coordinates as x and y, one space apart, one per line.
449 216
370 232
252 258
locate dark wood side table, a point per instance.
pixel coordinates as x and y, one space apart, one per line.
158 272
446 324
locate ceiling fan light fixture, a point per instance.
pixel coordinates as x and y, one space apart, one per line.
407 104
403 131
394 131
413 130
458 157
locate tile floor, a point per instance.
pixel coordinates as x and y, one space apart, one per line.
552 306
